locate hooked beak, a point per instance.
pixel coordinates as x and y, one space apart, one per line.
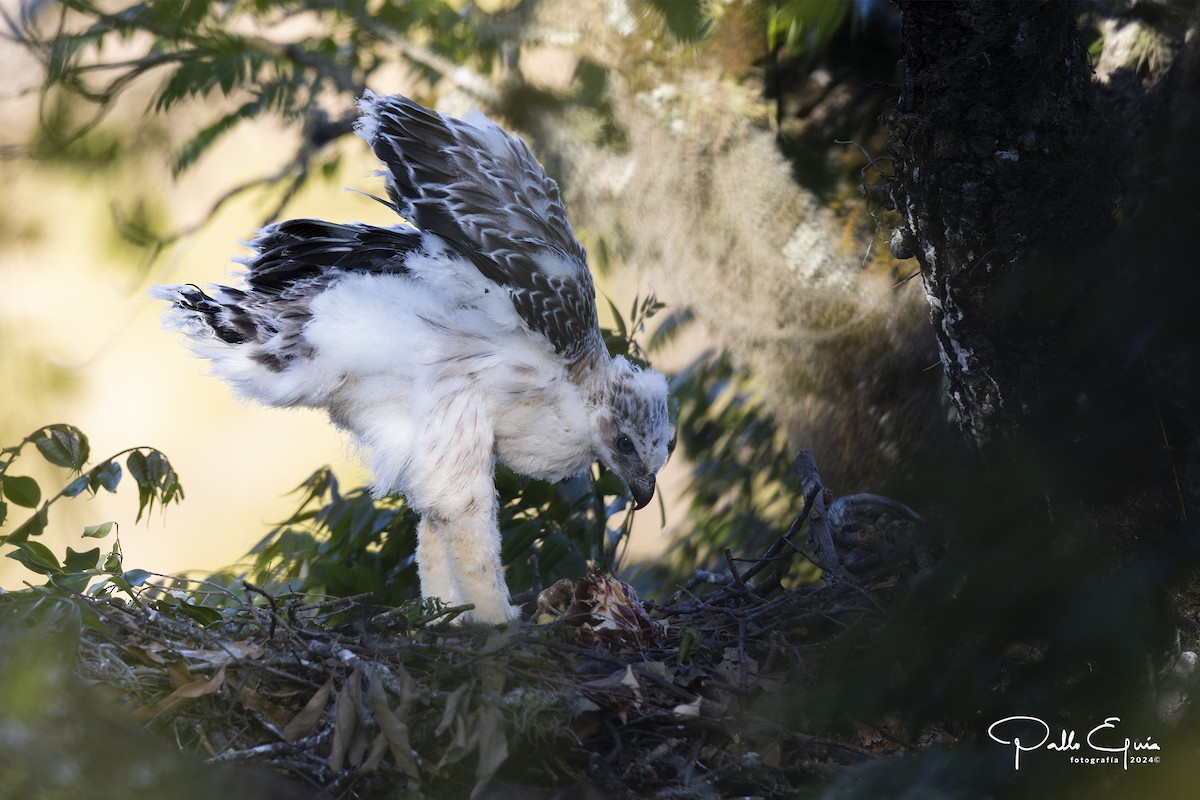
643 491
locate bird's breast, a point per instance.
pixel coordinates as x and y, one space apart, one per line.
545 436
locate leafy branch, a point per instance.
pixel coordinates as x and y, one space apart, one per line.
67 447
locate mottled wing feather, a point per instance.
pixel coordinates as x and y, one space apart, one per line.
485 194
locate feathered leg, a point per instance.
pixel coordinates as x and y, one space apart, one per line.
433 563
459 566
452 485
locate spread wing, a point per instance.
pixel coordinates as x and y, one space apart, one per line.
484 193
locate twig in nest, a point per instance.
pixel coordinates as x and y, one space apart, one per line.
805 466
701 576
450 613
818 527
335 602
535 573
252 589
737 579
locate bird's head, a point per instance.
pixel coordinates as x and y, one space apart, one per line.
632 427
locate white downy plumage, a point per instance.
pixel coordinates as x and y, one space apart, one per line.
466 335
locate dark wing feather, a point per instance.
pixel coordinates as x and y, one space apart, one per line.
293 262
485 194
299 250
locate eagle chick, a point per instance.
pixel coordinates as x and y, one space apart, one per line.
463 335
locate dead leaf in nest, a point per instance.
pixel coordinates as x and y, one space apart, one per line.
410 692
586 717
452 703
734 669
230 652
274 717
393 729
621 684
160 655
658 669
876 737
179 672
772 754
612 696
188 691
350 736
154 653
867 736
493 748
303 723
691 709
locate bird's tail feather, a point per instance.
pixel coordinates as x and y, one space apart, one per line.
199 316
242 350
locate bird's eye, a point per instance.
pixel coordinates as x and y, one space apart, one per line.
624 444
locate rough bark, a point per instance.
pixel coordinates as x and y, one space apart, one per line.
999 171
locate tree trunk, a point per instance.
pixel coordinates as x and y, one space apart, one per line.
1000 169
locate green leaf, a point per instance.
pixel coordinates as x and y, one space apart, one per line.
77 486
120 583
202 614
138 468
63 446
78 562
156 479
107 475
135 577
621 331
3 512
23 491
36 557
610 484
72 581
99 531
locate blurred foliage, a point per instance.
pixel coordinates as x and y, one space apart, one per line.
303 62
232 51
739 495
802 29
300 61
1027 610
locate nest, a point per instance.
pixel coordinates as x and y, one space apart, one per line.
701 696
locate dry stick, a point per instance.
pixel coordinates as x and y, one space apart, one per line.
252 589
700 577
805 466
818 527
335 602
449 613
737 579
535 583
